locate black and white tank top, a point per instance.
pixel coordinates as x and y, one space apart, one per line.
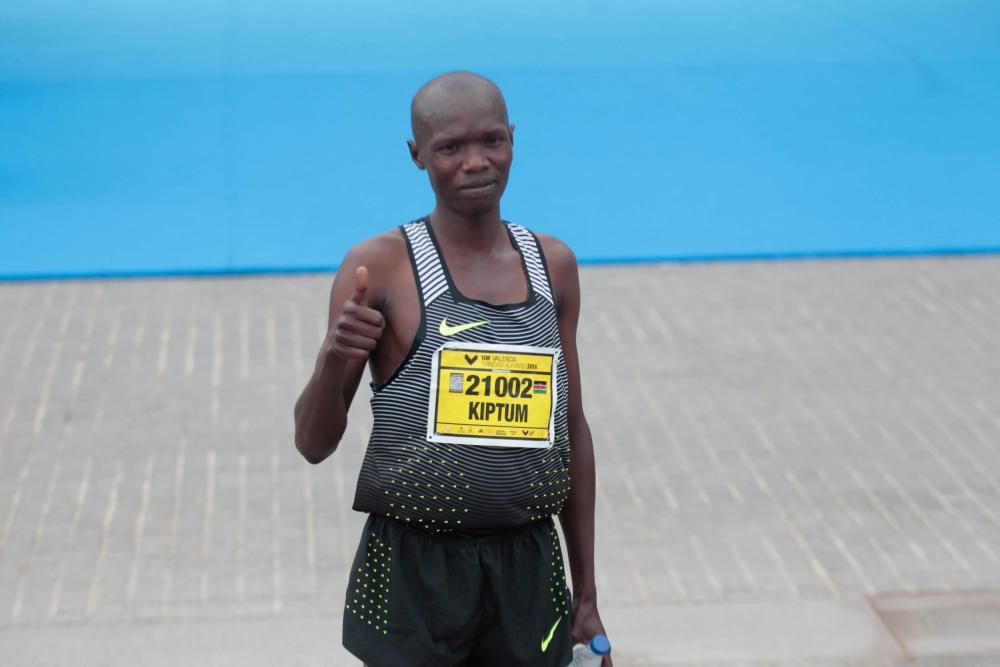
470 432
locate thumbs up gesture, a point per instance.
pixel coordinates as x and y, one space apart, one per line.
359 328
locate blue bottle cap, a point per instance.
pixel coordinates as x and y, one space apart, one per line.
600 645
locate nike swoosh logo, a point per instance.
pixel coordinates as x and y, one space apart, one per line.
552 632
448 330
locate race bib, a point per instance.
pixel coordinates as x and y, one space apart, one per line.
494 395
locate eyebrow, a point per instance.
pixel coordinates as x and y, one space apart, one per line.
449 138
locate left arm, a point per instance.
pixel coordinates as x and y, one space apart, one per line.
577 516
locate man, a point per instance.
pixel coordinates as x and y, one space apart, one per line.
469 326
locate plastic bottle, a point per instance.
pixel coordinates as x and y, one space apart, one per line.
591 655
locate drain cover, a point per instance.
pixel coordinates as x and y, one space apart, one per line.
942 624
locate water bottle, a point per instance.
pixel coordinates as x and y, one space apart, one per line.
590 655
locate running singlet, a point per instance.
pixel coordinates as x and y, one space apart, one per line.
470 432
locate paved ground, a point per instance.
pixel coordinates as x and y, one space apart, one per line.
780 446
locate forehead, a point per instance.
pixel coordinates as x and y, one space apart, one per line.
462 112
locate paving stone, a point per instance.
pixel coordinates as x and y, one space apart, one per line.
766 432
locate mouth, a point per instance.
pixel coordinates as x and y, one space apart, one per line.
478 187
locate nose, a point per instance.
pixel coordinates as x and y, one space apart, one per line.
475 159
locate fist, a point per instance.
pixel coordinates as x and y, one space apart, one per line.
358 328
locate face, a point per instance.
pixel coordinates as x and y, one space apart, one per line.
466 146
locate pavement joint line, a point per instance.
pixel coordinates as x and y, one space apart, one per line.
799 434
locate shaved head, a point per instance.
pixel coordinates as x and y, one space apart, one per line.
464 141
436 96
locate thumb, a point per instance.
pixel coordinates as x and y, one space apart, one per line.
361 286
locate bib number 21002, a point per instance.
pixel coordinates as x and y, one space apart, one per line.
501 387
494 395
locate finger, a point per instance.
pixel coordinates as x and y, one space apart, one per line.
365 314
361 328
353 341
351 353
361 286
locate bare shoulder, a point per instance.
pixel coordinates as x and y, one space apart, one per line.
561 262
382 255
380 252
558 255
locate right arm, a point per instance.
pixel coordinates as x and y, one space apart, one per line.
353 332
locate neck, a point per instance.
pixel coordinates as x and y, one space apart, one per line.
474 233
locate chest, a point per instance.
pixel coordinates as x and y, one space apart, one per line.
497 279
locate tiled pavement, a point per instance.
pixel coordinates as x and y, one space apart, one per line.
777 438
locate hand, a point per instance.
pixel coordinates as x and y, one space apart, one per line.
358 329
586 622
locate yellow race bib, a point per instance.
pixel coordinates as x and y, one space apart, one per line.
495 395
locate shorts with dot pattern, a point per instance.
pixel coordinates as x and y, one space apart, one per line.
417 599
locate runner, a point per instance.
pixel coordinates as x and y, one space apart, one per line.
468 324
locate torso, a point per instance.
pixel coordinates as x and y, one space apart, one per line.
459 480
496 278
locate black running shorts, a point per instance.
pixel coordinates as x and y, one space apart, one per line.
415 599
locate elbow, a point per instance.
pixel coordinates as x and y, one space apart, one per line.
312 441
315 460
313 449
309 451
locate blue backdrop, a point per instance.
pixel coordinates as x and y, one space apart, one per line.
225 135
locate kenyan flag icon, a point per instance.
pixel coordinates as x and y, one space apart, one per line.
541 388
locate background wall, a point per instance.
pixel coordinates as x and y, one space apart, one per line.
225 135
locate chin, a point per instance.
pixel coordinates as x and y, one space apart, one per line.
476 208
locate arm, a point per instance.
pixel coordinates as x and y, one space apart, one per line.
577 517
353 332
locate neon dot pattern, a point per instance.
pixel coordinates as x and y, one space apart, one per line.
368 589
559 588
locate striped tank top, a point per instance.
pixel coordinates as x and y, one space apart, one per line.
427 468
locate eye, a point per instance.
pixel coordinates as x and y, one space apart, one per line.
448 149
494 140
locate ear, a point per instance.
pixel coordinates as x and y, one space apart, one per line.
415 153
510 131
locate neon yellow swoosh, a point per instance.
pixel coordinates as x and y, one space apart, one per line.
448 330
552 632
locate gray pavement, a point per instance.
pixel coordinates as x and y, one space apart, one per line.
799 464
